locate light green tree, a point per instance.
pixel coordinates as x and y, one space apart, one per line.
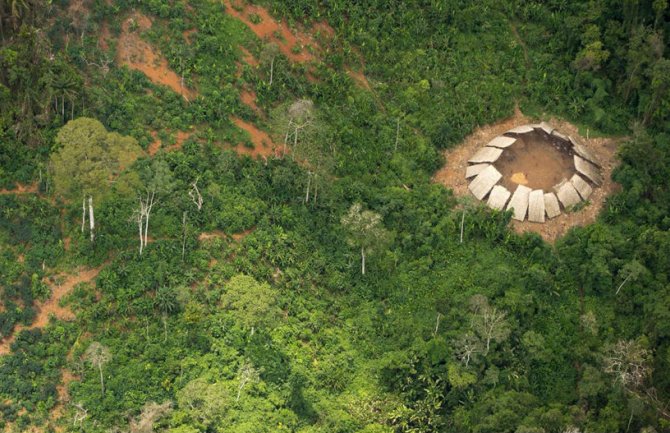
88 158
253 303
204 403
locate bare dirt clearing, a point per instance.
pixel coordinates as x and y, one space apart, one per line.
155 146
51 306
138 54
452 174
293 46
534 162
263 144
298 45
249 99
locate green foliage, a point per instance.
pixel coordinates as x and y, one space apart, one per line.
252 303
263 324
88 156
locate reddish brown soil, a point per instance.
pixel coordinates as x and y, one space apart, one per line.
249 58
155 146
359 78
137 54
533 161
104 37
263 145
63 395
51 306
268 29
452 174
323 29
20 189
211 235
216 234
187 35
249 99
239 236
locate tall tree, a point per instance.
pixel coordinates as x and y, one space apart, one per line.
157 181
365 231
87 160
98 355
488 322
268 56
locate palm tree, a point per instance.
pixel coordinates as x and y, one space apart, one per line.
166 302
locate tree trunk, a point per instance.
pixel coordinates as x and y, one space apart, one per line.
91 218
165 327
149 205
272 67
397 135
295 141
309 184
139 224
362 260
183 241
102 380
462 221
83 214
288 131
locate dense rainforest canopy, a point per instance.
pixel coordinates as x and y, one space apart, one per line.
220 217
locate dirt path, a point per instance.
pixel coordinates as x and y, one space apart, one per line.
263 144
452 174
51 307
136 53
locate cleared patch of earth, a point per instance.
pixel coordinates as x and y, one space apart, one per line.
533 161
249 58
155 146
263 144
298 45
452 174
51 306
187 35
249 99
294 47
136 53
